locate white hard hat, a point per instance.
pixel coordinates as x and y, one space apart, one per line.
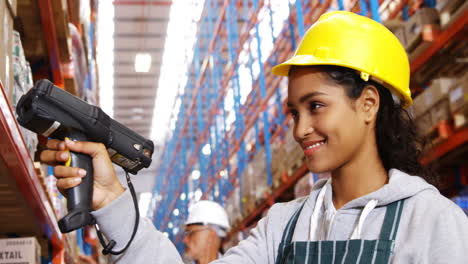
208 213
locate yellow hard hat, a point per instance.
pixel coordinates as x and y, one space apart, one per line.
349 40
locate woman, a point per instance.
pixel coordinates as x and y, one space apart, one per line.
348 87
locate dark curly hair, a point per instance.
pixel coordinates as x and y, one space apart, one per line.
398 142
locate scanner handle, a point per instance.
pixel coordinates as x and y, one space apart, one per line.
79 198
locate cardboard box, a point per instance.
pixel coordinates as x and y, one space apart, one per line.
25 250
397 27
415 25
424 123
447 8
401 35
441 112
438 90
458 95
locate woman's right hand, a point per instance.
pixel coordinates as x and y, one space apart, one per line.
106 184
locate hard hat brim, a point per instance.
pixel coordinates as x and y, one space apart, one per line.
310 60
302 60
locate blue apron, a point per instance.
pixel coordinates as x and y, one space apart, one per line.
344 251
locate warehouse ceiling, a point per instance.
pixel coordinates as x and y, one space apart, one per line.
140 27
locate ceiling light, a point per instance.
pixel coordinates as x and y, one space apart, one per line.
206 150
195 174
142 62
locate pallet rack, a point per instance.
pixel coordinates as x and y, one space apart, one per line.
16 163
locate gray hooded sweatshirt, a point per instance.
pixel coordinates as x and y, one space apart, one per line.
432 228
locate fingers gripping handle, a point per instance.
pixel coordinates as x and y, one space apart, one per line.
79 198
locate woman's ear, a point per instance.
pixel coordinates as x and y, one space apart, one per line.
368 103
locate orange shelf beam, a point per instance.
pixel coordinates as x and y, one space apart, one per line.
49 30
459 138
456 28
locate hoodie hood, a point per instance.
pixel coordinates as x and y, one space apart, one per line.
401 185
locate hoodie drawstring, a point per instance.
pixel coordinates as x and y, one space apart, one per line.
313 236
365 212
314 220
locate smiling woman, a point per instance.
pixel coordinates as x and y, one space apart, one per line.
331 95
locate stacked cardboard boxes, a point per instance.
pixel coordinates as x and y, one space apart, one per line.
458 99
397 27
449 9
24 250
421 26
432 105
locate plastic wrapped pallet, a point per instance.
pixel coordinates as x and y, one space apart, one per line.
20 71
23 81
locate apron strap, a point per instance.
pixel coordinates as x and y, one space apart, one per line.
391 220
288 234
291 226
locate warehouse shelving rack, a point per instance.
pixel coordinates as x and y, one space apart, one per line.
19 167
14 156
223 47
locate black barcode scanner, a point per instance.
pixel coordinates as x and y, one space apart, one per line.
55 113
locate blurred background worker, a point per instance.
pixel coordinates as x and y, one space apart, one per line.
206 226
